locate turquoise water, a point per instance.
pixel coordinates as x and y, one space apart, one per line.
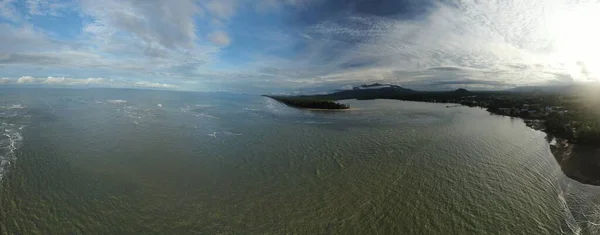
156 162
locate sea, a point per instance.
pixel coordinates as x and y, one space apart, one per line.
127 161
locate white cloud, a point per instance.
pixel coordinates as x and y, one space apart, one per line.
60 81
26 39
93 81
222 9
153 85
151 36
8 11
220 38
26 79
510 42
72 81
123 38
46 7
170 24
493 43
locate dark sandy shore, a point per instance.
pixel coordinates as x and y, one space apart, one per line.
577 161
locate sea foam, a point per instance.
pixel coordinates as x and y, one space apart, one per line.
117 101
10 136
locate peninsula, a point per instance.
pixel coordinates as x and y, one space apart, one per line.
308 103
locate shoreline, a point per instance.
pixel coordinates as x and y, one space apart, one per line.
309 104
579 162
328 110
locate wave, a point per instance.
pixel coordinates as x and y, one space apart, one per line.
224 133
196 111
205 115
10 136
227 133
16 106
204 106
136 113
185 109
569 219
117 101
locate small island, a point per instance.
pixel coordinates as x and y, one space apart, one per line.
308 103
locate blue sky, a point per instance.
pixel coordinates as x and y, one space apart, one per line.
285 45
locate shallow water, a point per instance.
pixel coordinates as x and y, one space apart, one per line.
114 161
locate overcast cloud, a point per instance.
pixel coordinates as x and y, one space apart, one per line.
269 45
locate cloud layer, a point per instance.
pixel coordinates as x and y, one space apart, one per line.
82 82
269 45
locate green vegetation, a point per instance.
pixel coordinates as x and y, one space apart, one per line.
578 126
308 103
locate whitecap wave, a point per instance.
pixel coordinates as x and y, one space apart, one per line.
185 109
16 106
10 135
204 106
227 133
117 101
205 116
132 112
195 108
570 220
138 114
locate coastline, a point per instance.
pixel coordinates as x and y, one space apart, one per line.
309 104
579 162
328 110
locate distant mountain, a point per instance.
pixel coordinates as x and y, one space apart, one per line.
377 86
385 91
462 91
372 91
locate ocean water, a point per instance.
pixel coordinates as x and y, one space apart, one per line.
111 161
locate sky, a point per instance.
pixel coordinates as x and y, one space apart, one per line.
287 45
